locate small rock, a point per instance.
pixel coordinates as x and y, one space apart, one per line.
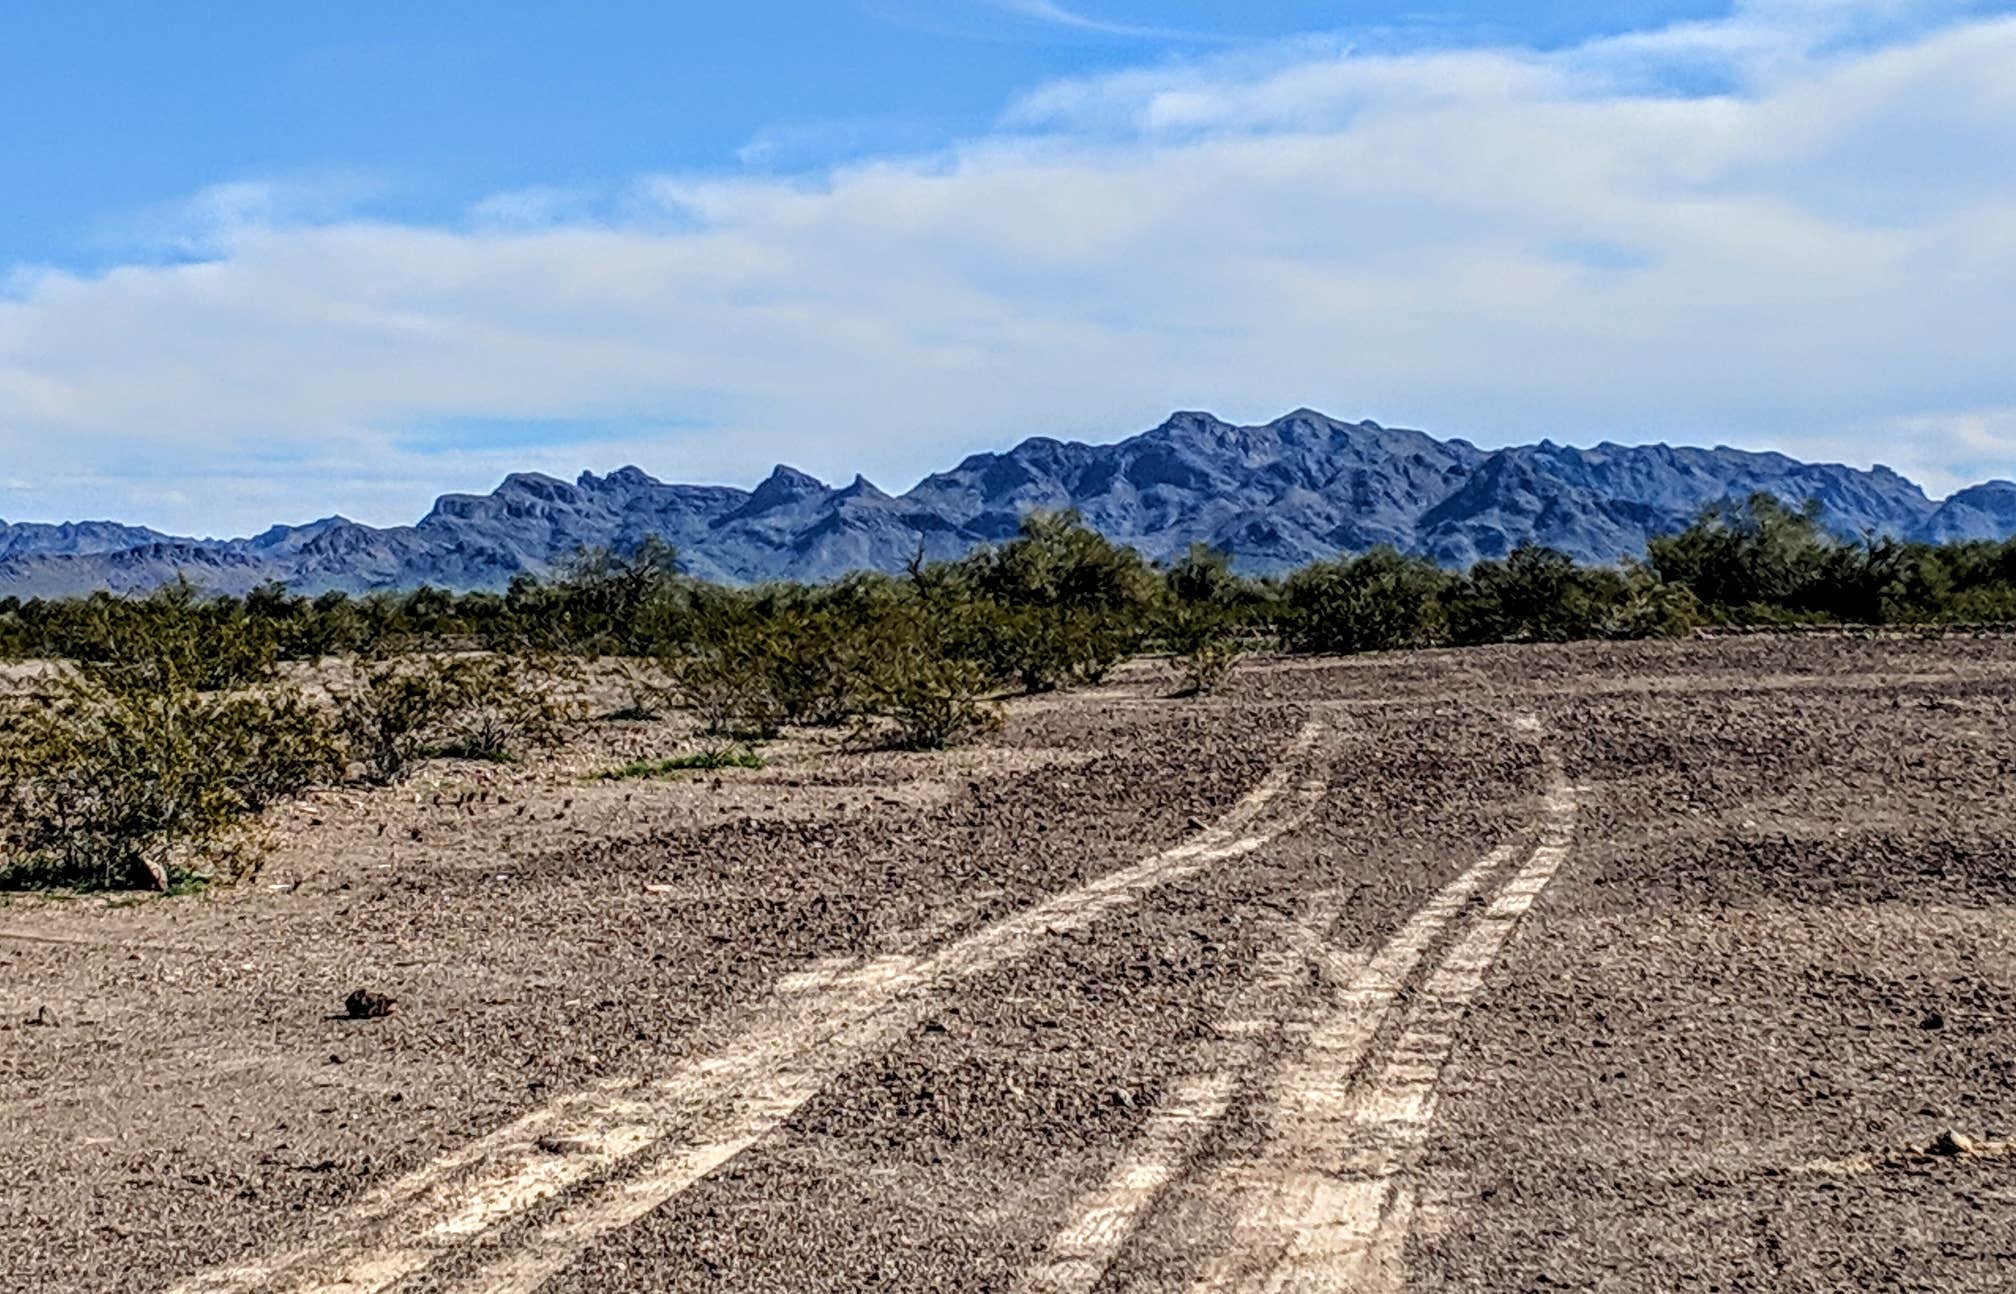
1950 1145
363 1004
43 1018
1932 1020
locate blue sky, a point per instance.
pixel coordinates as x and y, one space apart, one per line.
262 262
419 111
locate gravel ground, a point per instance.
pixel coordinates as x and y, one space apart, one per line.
1775 967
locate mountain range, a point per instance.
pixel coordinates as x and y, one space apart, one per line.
1275 496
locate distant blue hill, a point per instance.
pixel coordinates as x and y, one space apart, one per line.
1297 489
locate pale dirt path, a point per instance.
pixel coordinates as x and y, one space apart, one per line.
1255 1199
1352 1228
1289 1218
1104 1218
1327 1201
682 1126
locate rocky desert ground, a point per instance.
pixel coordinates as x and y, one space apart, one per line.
1633 967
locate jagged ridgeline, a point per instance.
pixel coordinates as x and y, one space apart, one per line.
1275 497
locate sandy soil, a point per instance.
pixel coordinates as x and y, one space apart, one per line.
1644 966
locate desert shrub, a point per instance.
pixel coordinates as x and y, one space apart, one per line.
646 691
1203 577
106 785
1046 648
1983 605
813 661
625 601
1889 581
396 713
172 639
503 704
391 715
142 766
729 684
300 629
1060 604
1756 560
1536 594
1205 644
1648 608
917 692
1378 601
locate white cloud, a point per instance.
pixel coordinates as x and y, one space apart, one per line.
1496 243
1949 450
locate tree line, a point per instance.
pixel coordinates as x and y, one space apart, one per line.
174 718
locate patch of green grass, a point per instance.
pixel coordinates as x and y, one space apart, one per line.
700 761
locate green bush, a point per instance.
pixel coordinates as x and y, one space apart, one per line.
918 694
1379 601
1536 594
143 766
107 786
1205 644
1059 605
502 705
812 661
1759 553
391 715
1647 608
1045 648
729 685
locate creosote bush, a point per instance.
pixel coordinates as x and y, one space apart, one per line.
142 766
1205 647
916 694
396 713
1379 601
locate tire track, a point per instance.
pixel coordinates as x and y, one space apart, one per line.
1331 1200
669 1132
1103 1219
1308 1091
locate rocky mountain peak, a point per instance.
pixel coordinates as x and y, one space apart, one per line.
1275 495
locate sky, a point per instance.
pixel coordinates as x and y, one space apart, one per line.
262 263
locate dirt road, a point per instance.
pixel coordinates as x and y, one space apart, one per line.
1661 966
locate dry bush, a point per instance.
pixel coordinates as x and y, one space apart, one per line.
502 705
143 766
645 688
107 786
729 683
479 707
1204 643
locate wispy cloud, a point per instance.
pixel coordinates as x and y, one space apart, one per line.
205 222
1495 242
1051 12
